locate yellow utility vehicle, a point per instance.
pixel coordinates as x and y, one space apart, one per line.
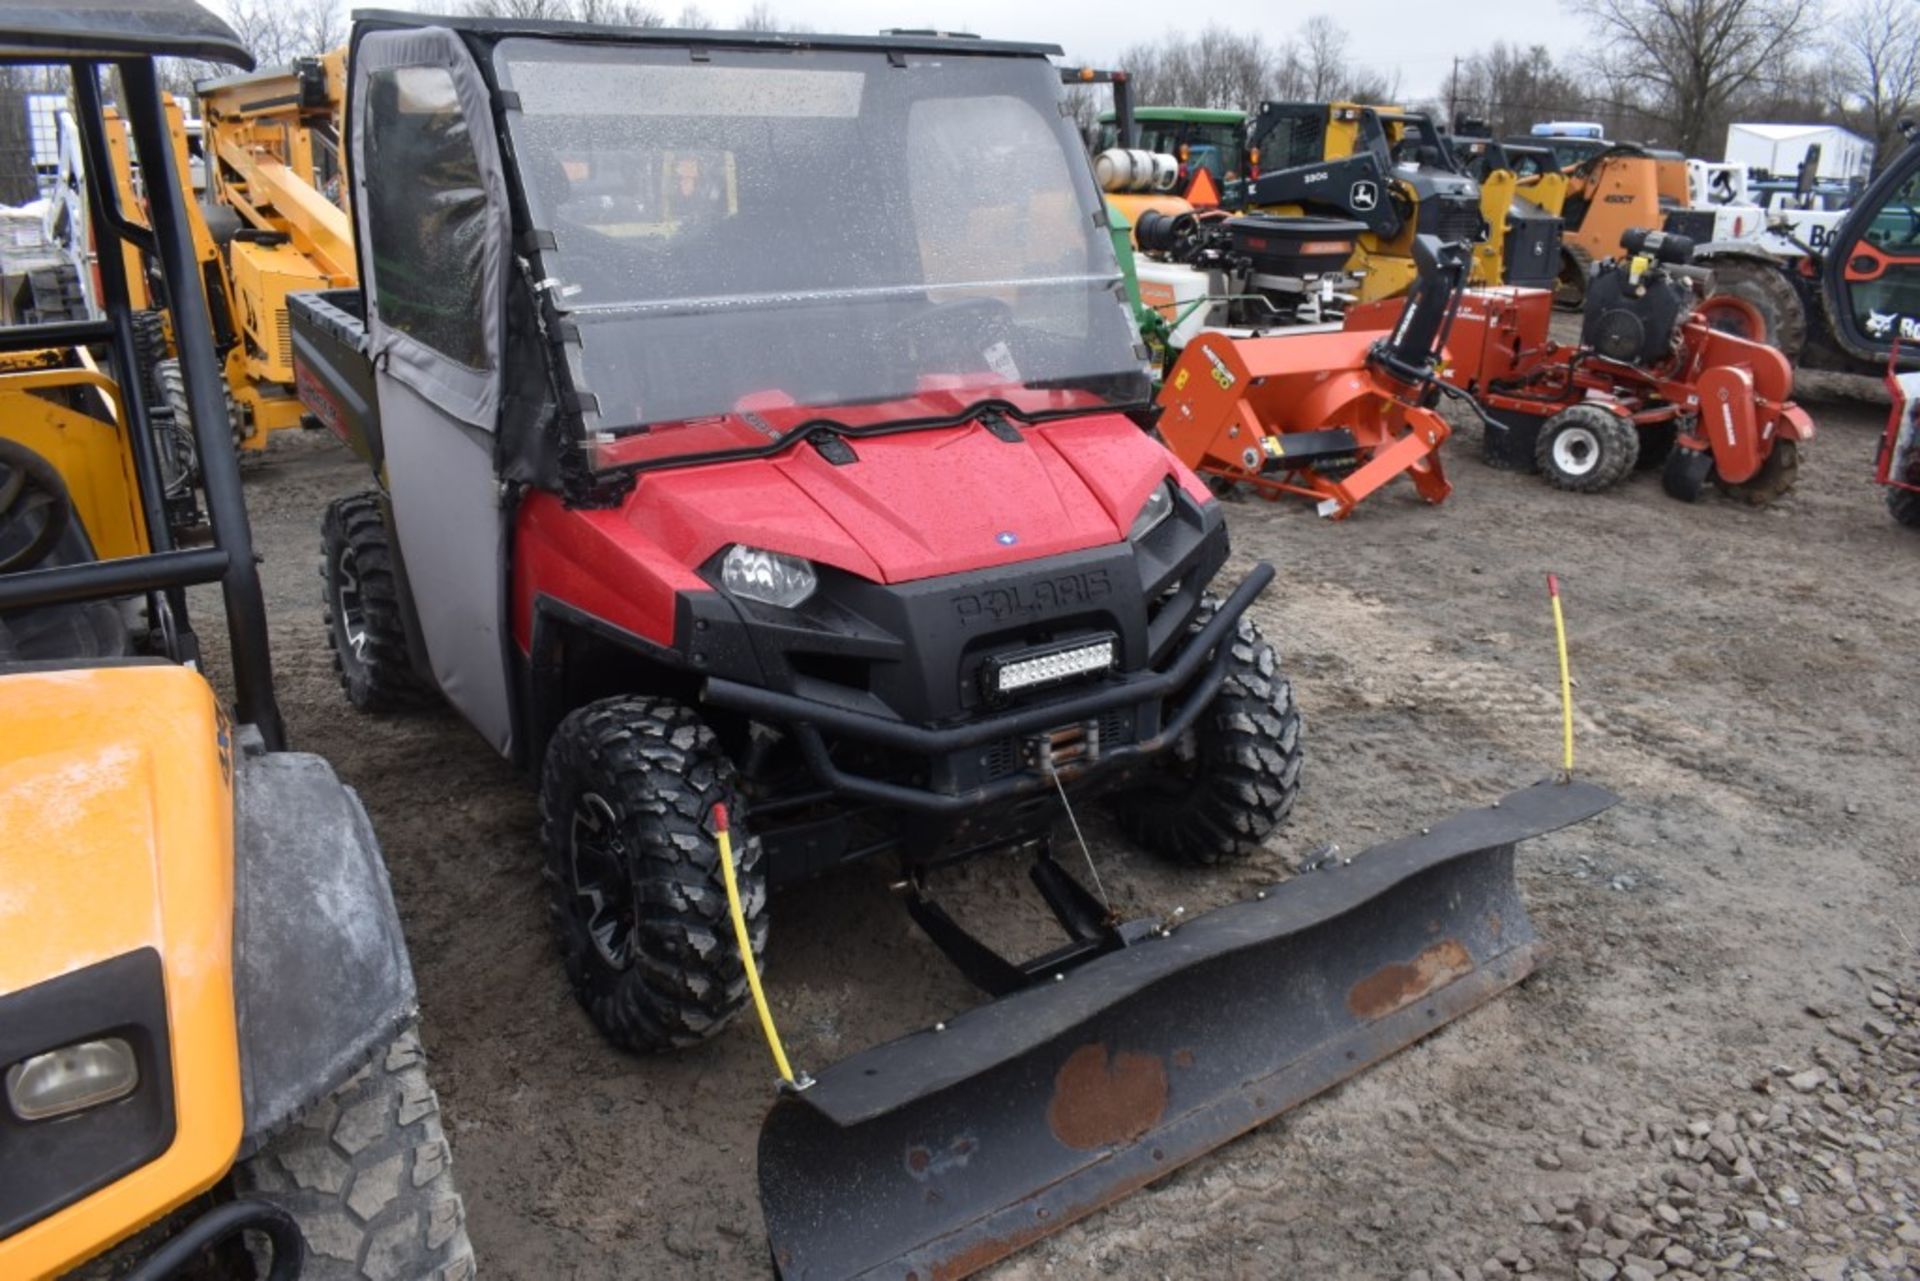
208 1061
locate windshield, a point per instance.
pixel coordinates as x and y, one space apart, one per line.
773 235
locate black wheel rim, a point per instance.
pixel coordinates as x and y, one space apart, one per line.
350 605
603 894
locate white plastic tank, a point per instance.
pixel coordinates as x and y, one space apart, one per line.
1173 290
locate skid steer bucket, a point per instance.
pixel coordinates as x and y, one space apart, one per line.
939 1153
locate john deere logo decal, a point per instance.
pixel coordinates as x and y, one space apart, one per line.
1365 194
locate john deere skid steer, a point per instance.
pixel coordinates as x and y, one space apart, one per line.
208 1065
774 491
1396 173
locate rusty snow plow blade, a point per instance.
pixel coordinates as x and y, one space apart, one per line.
939 1153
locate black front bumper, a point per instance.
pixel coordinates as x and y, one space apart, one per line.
1192 671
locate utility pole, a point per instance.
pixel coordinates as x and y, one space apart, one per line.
1453 94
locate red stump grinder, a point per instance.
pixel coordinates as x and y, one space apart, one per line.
1651 383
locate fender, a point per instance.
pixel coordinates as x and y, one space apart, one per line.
320 971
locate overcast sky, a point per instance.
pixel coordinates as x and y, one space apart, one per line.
1420 39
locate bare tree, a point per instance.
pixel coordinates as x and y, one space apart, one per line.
1683 64
1323 45
1238 70
1874 63
693 18
764 17
1510 88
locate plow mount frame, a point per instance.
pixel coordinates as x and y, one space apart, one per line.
936 1154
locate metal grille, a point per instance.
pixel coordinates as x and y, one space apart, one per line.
1009 755
1459 220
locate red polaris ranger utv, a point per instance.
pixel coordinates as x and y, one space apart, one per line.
758 427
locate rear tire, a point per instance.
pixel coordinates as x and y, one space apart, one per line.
170 391
368 1177
636 896
1656 442
1570 287
1586 449
1904 506
1230 780
1776 476
362 598
1767 292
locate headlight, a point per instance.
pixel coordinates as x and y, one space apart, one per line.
1158 507
72 1078
767 577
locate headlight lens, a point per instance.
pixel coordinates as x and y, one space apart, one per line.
767 577
1158 507
72 1078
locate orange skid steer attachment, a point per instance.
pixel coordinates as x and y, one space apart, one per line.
930 1157
1313 415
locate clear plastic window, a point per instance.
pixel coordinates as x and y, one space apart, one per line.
428 224
761 230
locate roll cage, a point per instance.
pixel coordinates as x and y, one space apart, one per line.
90 39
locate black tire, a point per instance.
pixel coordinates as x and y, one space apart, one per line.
1777 474
173 441
1656 442
633 872
149 349
1904 506
1765 287
1685 474
361 593
1231 779
1585 449
170 391
1570 286
368 1177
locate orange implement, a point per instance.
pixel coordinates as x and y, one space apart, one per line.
1315 415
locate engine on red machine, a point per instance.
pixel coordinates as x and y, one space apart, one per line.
1636 305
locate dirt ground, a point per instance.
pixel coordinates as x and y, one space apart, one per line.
1745 683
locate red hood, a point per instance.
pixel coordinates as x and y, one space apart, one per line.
919 503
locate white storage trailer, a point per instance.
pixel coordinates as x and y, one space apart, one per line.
1778 150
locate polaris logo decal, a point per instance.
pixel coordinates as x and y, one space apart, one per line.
1046 596
1006 538
1365 194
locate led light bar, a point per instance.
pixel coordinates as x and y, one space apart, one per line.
1035 669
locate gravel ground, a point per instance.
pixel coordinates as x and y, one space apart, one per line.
1716 1073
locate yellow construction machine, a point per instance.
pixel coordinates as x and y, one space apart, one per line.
273 225
1394 171
208 1065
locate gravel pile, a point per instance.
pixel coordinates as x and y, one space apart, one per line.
1814 1173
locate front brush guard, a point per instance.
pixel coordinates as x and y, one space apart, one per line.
943 1151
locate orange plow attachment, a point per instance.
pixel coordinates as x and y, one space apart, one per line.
1312 415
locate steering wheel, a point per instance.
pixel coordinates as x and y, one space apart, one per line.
30 484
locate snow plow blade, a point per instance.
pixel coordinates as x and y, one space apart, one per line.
934 1155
